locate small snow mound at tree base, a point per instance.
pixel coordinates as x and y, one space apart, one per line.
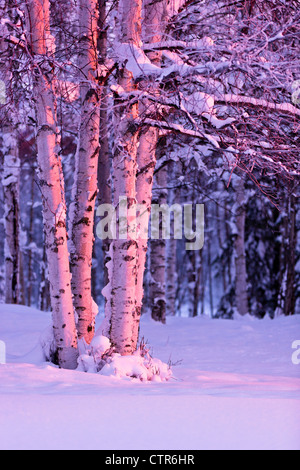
136 366
101 358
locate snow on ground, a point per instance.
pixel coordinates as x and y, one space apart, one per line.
235 387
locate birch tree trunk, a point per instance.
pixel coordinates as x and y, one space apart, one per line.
11 182
44 288
171 276
146 164
122 314
30 277
241 290
104 170
158 256
192 258
290 297
153 28
52 184
171 271
286 301
210 276
197 286
85 186
10 174
220 220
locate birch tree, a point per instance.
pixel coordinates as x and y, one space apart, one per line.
104 167
154 20
133 168
287 274
122 315
158 302
146 159
290 294
10 161
171 250
241 290
11 183
51 182
85 186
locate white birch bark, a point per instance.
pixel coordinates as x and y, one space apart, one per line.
133 168
171 269
30 277
52 185
171 276
121 313
104 170
146 164
11 182
154 14
85 186
158 300
10 174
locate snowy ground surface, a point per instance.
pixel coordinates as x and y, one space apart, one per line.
235 388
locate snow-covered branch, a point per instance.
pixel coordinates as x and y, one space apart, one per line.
178 128
195 45
287 108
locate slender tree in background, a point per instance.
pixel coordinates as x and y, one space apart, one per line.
171 249
10 162
240 252
290 297
44 301
157 288
288 256
11 183
30 278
